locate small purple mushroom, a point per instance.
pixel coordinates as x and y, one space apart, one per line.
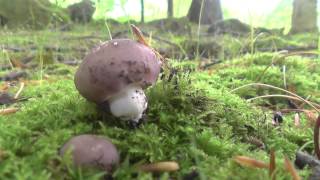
116 72
91 151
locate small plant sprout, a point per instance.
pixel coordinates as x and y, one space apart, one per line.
116 72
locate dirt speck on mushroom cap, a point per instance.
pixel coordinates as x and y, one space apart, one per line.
114 65
91 151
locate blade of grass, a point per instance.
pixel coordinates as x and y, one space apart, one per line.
198 30
277 88
284 96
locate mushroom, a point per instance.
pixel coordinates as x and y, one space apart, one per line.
116 72
91 151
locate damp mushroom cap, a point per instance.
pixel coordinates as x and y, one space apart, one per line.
91 151
113 66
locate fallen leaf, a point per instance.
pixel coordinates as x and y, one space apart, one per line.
272 165
139 35
250 162
166 166
289 167
8 111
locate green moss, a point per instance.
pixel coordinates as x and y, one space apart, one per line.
194 119
301 75
190 121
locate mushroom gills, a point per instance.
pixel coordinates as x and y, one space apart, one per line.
129 104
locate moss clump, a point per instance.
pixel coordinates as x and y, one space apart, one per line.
301 76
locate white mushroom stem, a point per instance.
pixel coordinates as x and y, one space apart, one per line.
129 104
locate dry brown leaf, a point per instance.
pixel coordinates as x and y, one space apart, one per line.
272 165
289 167
142 40
8 111
166 166
250 162
139 35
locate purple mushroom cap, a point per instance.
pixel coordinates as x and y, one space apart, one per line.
91 151
113 66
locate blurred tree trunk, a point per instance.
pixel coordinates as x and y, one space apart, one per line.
142 11
211 11
170 8
304 16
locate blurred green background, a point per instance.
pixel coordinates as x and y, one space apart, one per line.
267 13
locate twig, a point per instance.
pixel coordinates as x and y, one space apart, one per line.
301 105
284 96
19 91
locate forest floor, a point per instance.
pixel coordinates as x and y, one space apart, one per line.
197 116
